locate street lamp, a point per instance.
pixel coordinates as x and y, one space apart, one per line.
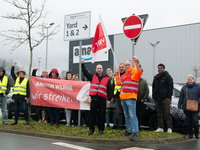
47 27
154 48
39 60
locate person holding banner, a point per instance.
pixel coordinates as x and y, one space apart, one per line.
74 111
44 75
68 111
128 94
20 93
100 90
54 74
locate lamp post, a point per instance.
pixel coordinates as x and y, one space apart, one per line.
47 27
154 48
39 60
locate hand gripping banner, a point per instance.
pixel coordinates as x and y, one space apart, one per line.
59 93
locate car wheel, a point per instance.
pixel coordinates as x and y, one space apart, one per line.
9 113
153 125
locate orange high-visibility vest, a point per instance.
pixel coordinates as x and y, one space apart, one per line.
129 82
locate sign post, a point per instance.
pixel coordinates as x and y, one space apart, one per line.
133 27
77 27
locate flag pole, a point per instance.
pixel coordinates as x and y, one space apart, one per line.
115 60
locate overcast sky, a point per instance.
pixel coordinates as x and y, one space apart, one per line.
162 13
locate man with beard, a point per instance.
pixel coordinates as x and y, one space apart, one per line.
120 114
100 90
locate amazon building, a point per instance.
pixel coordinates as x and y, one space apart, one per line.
177 47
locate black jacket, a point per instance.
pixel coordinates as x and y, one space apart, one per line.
8 85
89 76
162 86
19 97
34 73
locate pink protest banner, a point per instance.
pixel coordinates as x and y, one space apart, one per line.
59 93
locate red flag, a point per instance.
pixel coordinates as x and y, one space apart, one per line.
101 42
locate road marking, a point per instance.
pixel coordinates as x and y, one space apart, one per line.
132 27
72 146
136 148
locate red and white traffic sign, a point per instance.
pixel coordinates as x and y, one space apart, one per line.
132 27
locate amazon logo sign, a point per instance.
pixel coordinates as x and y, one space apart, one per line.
86 54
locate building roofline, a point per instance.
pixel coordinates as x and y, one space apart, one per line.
166 27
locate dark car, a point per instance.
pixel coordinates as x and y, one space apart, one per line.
149 117
34 109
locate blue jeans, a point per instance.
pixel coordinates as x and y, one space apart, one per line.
4 109
17 103
57 114
129 108
108 116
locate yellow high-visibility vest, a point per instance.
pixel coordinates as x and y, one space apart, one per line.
20 88
3 84
117 88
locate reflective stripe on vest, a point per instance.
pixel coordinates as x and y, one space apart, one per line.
98 89
20 88
128 85
117 88
3 84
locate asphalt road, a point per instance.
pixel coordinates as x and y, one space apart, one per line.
19 142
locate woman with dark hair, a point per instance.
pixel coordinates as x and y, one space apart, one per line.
67 111
190 92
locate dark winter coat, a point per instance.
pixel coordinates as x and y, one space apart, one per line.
34 73
8 85
193 94
89 76
162 86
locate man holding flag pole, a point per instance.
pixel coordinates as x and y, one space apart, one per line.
100 87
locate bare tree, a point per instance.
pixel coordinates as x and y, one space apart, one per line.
32 33
196 71
7 64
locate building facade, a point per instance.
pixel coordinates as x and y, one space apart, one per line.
178 50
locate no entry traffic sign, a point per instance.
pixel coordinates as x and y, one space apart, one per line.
132 27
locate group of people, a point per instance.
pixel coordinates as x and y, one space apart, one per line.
123 93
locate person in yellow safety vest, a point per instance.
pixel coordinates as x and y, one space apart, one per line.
129 82
117 88
4 90
20 93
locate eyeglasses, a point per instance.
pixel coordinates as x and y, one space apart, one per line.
127 65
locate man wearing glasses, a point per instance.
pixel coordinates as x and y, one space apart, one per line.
129 82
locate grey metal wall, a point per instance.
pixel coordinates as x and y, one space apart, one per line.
179 50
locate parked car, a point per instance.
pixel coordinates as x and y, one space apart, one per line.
149 117
34 109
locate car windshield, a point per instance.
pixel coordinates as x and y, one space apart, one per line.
177 91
